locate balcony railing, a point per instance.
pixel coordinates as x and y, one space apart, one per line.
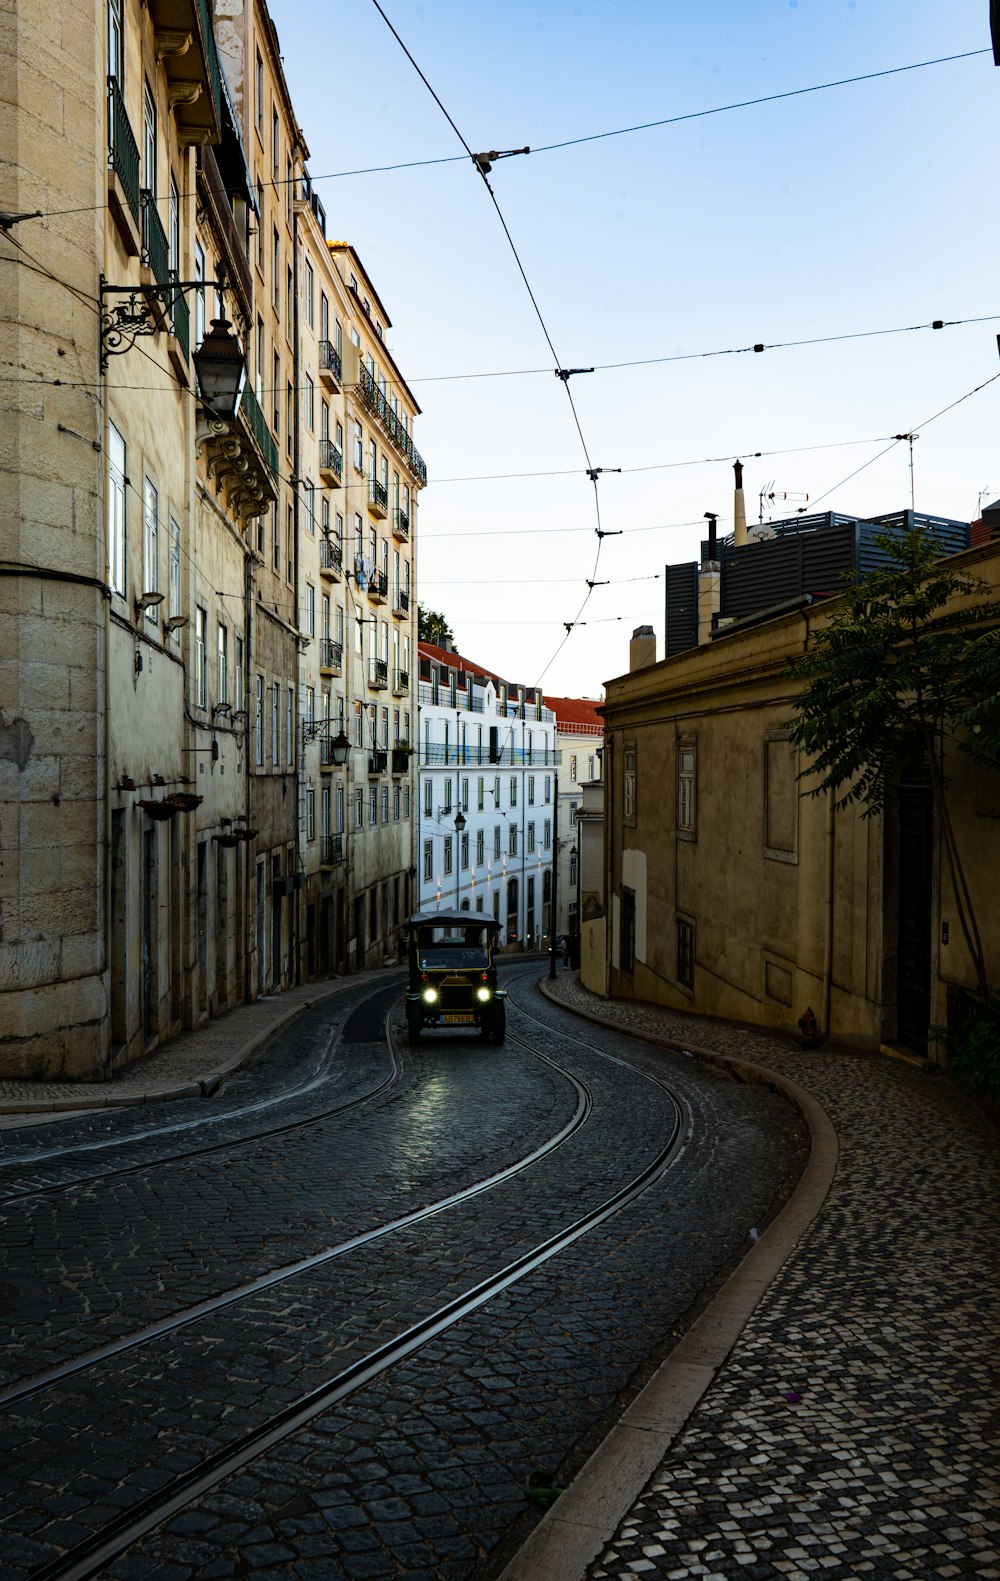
377 403
211 56
330 458
240 278
155 248
123 150
331 850
400 524
400 601
401 681
378 673
437 755
378 497
377 761
331 554
254 418
330 654
378 587
329 361
400 760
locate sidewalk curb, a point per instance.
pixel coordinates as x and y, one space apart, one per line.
577 1529
196 1086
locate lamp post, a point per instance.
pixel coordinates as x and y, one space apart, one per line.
459 826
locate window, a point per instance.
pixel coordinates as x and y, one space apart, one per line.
238 677
275 540
275 712
289 415
685 953
290 726
372 806
464 850
359 449
309 403
275 147
547 834
395 803
311 813
572 813
200 656
447 855
150 581
406 801
628 790
628 930
199 296
309 292
359 809
116 50
480 847
311 609
496 841
174 574
687 765
290 545
222 666
513 791
309 501
149 142
572 768
781 800
385 804
276 396
259 93
174 227
480 793
428 799
259 723
512 846
275 270
531 790
428 860
531 838
117 514
548 788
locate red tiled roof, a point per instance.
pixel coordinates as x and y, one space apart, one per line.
430 650
570 711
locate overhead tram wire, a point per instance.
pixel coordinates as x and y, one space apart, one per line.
572 142
898 439
481 165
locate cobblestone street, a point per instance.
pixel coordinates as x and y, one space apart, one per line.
267 1225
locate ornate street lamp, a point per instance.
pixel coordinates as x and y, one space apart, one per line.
459 826
222 370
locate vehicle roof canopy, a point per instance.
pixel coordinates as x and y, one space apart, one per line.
452 919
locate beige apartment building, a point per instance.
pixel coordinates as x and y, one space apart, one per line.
154 822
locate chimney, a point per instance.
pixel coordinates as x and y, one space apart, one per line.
709 591
739 508
642 648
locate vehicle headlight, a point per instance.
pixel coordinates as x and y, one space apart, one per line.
430 995
483 994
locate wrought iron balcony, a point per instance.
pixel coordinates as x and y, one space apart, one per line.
155 248
331 654
123 150
400 760
378 674
378 588
377 761
400 602
331 850
180 317
252 415
378 498
330 371
400 682
377 403
330 459
331 557
400 524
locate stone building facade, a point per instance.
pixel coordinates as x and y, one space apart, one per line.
155 857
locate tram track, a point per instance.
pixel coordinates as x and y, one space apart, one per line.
88 1557
315 1080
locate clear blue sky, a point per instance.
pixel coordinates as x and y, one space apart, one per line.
859 208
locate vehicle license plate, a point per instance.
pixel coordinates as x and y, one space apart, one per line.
452 1016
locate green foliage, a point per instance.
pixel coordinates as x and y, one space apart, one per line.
974 1048
893 669
432 626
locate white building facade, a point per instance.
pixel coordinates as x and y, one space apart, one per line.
487 763
580 739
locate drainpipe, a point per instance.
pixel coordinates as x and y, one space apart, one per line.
250 746
828 914
294 907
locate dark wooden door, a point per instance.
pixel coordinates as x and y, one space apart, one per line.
913 993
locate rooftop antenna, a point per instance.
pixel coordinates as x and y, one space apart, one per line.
910 438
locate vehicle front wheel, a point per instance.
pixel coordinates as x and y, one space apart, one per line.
498 1027
413 1023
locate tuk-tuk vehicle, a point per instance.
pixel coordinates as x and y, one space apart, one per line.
453 974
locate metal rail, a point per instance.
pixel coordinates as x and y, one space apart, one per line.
87 1558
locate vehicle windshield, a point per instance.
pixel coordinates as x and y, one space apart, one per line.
438 957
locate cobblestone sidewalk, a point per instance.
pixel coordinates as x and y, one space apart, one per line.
851 1432
186 1066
